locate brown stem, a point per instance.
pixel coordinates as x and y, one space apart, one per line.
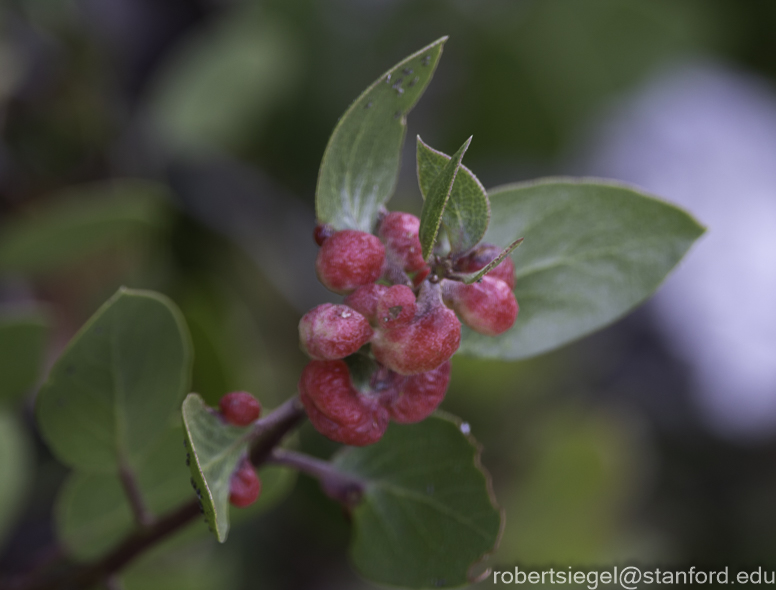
343 488
269 432
135 497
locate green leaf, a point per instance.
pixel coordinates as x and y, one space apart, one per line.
92 512
215 450
593 250
221 85
22 348
437 198
467 213
114 390
361 162
15 461
477 275
80 221
428 513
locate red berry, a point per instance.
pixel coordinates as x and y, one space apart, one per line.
364 300
425 343
420 395
399 231
244 485
349 259
396 307
481 256
487 306
322 232
420 276
239 408
331 331
336 408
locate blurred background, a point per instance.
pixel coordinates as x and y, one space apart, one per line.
175 144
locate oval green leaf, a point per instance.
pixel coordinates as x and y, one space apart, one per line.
120 381
22 348
467 212
215 449
15 462
437 198
593 251
361 162
80 221
428 513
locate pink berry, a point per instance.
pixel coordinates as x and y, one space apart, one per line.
244 485
330 331
396 307
336 409
322 232
420 395
349 259
425 343
399 231
239 408
481 256
364 300
488 306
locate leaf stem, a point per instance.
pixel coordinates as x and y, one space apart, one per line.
143 516
342 487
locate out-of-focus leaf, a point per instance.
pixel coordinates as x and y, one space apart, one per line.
92 511
22 347
215 449
428 512
15 462
361 162
81 221
222 85
114 390
467 212
593 250
437 198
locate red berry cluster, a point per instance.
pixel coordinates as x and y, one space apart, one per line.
405 311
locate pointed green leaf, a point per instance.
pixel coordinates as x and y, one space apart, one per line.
15 462
82 220
437 198
361 162
428 513
112 393
467 212
22 348
593 251
476 276
215 450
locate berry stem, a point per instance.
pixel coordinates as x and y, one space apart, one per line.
269 431
339 486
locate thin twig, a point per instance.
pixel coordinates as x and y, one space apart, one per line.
143 516
342 487
271 430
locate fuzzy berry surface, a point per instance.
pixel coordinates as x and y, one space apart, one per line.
364 300
396 307
483 255
336 409
424 344
333 331
420 395
487 306
349 259
399 232
244 485
239 408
